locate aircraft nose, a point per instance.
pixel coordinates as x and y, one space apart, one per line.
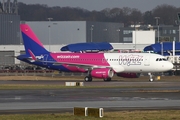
170 66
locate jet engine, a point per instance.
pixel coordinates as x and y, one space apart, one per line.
102 73
128 75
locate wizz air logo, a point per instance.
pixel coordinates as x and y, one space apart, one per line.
68 56
130 59
40 57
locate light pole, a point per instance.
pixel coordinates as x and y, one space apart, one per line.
136 28
157 24
104 34
50 19
178 15
118 30
135 37
179 30
92 26
49 31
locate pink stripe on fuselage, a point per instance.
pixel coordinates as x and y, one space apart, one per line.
81 58
27 30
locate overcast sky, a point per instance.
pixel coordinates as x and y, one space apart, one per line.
143 5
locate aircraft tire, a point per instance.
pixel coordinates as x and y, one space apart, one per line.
151 79
107 79
88 79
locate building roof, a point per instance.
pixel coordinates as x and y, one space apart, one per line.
77 47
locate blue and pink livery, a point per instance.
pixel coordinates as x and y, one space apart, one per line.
98 65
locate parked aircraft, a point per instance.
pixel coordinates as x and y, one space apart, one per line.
97 65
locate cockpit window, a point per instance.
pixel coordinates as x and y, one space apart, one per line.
161 59
164 59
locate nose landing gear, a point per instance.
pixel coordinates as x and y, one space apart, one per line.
151 77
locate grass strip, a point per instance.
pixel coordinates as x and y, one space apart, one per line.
36 87
118 115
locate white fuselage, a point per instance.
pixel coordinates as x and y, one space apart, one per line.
139 62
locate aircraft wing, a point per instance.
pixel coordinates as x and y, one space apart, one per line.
80 65
87 66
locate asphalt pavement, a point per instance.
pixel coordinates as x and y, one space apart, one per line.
116 96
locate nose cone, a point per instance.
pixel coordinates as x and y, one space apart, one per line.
164 66
170 66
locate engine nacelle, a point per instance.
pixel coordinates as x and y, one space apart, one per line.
102 73
128 75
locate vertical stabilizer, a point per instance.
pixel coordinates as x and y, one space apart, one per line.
31 41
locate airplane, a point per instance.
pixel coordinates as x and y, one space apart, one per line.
96 65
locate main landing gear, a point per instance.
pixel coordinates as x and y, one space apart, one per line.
88 79
107 79
151 77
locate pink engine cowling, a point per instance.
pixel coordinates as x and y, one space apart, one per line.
102 73
128 75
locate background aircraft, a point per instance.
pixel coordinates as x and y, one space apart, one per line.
98 65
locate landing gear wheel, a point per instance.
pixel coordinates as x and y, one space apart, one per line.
151 77
88 79
107 79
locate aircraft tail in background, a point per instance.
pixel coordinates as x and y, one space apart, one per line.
32 44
